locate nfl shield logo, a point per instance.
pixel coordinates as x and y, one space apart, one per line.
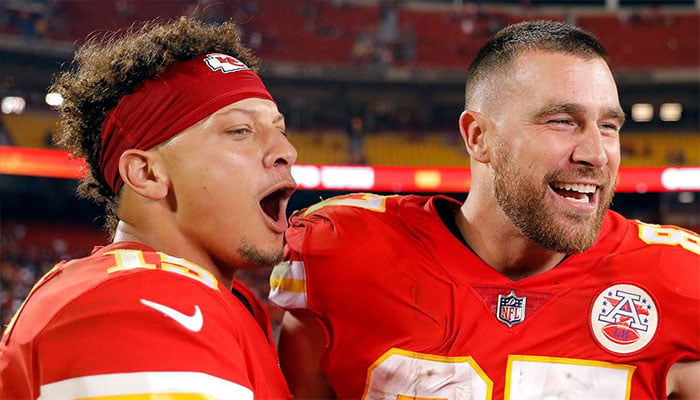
511 309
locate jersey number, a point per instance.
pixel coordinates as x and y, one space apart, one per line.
367 201
402 375
657 234
125 259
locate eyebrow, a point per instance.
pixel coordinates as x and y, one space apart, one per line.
573 108
615 113
279 117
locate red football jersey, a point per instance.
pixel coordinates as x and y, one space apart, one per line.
130 321
411 311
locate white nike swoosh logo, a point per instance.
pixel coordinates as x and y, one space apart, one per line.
192 322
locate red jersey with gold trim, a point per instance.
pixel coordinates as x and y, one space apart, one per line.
411 311
129 321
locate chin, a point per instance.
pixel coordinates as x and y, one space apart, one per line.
257 257
575 237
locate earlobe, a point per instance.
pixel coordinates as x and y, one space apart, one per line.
473 127
144 173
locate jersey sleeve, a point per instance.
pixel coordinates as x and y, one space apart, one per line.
145 334
288 278
316 235
674 255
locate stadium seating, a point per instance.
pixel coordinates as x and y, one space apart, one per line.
446 149
325 32
321 147
30 248
659 148
29 130
401 148
671 40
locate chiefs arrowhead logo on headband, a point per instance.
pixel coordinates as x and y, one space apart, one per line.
160 108
224 63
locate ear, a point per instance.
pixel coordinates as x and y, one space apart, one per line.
145 173
473 126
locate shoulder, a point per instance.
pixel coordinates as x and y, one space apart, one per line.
635 235
150 320
132 290
110 277
347 206
341 220
666 256
172 297
142 316
344 239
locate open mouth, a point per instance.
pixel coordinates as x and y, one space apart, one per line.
274 205
578 192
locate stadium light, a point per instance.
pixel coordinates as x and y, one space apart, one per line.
59 164
12 105
642 112
54 99
670 112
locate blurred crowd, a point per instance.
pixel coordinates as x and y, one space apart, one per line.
23 262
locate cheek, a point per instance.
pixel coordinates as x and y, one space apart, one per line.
531 156
207 189
612 150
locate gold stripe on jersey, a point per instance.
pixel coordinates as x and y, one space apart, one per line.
288 285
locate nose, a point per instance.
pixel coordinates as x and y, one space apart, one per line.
590 149
282 152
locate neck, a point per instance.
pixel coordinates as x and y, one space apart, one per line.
160 240
491 235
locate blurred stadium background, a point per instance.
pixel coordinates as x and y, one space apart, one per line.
367 83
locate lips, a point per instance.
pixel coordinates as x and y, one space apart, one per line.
579 192
274 206
582 197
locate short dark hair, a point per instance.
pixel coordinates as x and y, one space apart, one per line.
109 67
513 40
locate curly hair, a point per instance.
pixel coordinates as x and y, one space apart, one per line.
107 68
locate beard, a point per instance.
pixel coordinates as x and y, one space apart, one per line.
255 257
524 202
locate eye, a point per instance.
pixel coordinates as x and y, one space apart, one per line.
561 121
562 124
239 131
609 126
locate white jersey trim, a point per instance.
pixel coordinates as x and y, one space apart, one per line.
145 383
288 285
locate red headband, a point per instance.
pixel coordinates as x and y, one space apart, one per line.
160 108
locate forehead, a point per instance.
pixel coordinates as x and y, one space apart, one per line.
554 76
562 68
250 106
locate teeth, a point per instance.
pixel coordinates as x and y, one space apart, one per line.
583 199
576 187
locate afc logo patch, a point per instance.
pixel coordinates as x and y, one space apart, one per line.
224 63
510 309
624 318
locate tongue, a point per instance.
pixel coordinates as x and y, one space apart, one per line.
571 193
270 206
